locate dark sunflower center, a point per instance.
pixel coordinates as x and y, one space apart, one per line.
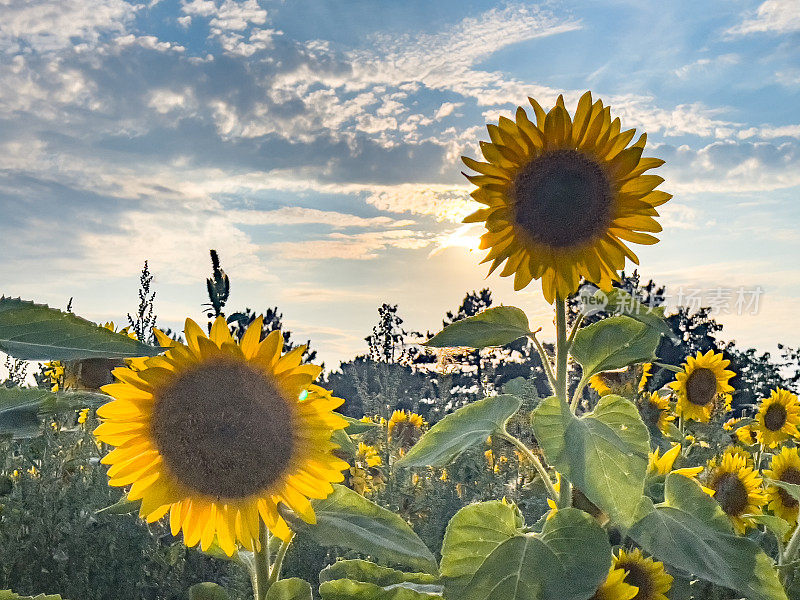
224 429
775 417
562 199
790 475
731 494
701 386
641 578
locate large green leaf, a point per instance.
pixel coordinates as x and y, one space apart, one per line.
208 591
620 301
347 589
348 520
493 327
604 453
614 343
21 407
363 570
36 332
356 426
690 532
567 561
471 536
290 589
460 430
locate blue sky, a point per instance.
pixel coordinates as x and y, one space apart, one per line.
315 145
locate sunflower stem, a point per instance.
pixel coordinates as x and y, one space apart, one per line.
576 396
275 573
261 564
562 350
548 367
790 553
573 332
537 464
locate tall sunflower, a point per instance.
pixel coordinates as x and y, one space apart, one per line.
656 411
785 467
563 196
737 488
777 418
217 434
703 378
648 575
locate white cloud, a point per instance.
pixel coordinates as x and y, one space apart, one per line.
770 132
446 109
229 15
444 202
772 16
47 25
705 65
296 215
358 246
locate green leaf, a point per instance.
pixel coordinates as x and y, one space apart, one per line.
779 527
356 426
471 536
620 301
208 591
369 572
348 520
492 327
21 407
345 443
614 343
460 430
122 507
604 453
567 561
36 332
290 589
347 589
9 595
691 532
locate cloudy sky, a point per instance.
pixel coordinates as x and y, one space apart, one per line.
315 145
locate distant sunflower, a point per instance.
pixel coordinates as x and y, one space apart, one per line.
648 575
405 428
785 467
218 434
777 418
615 587
563 196
662 465
656 411
746 434
697 386
737 488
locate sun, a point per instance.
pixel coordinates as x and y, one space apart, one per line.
703 378
777 418
218 434
563 197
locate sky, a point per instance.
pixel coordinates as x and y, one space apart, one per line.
315 145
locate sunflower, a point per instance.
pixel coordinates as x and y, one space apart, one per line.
364 475
785 467
702 379
746 434
405 428
737 488
563 196
777 418
615 587
648 575
217 434
623 382
656 411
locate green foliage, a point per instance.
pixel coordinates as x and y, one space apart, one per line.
460 430
621 302
368 581
604 453
348 520
493 327
614 343
289 589
490 556
37 332
21 409
690 532
9 595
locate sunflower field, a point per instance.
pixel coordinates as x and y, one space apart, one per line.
634 458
